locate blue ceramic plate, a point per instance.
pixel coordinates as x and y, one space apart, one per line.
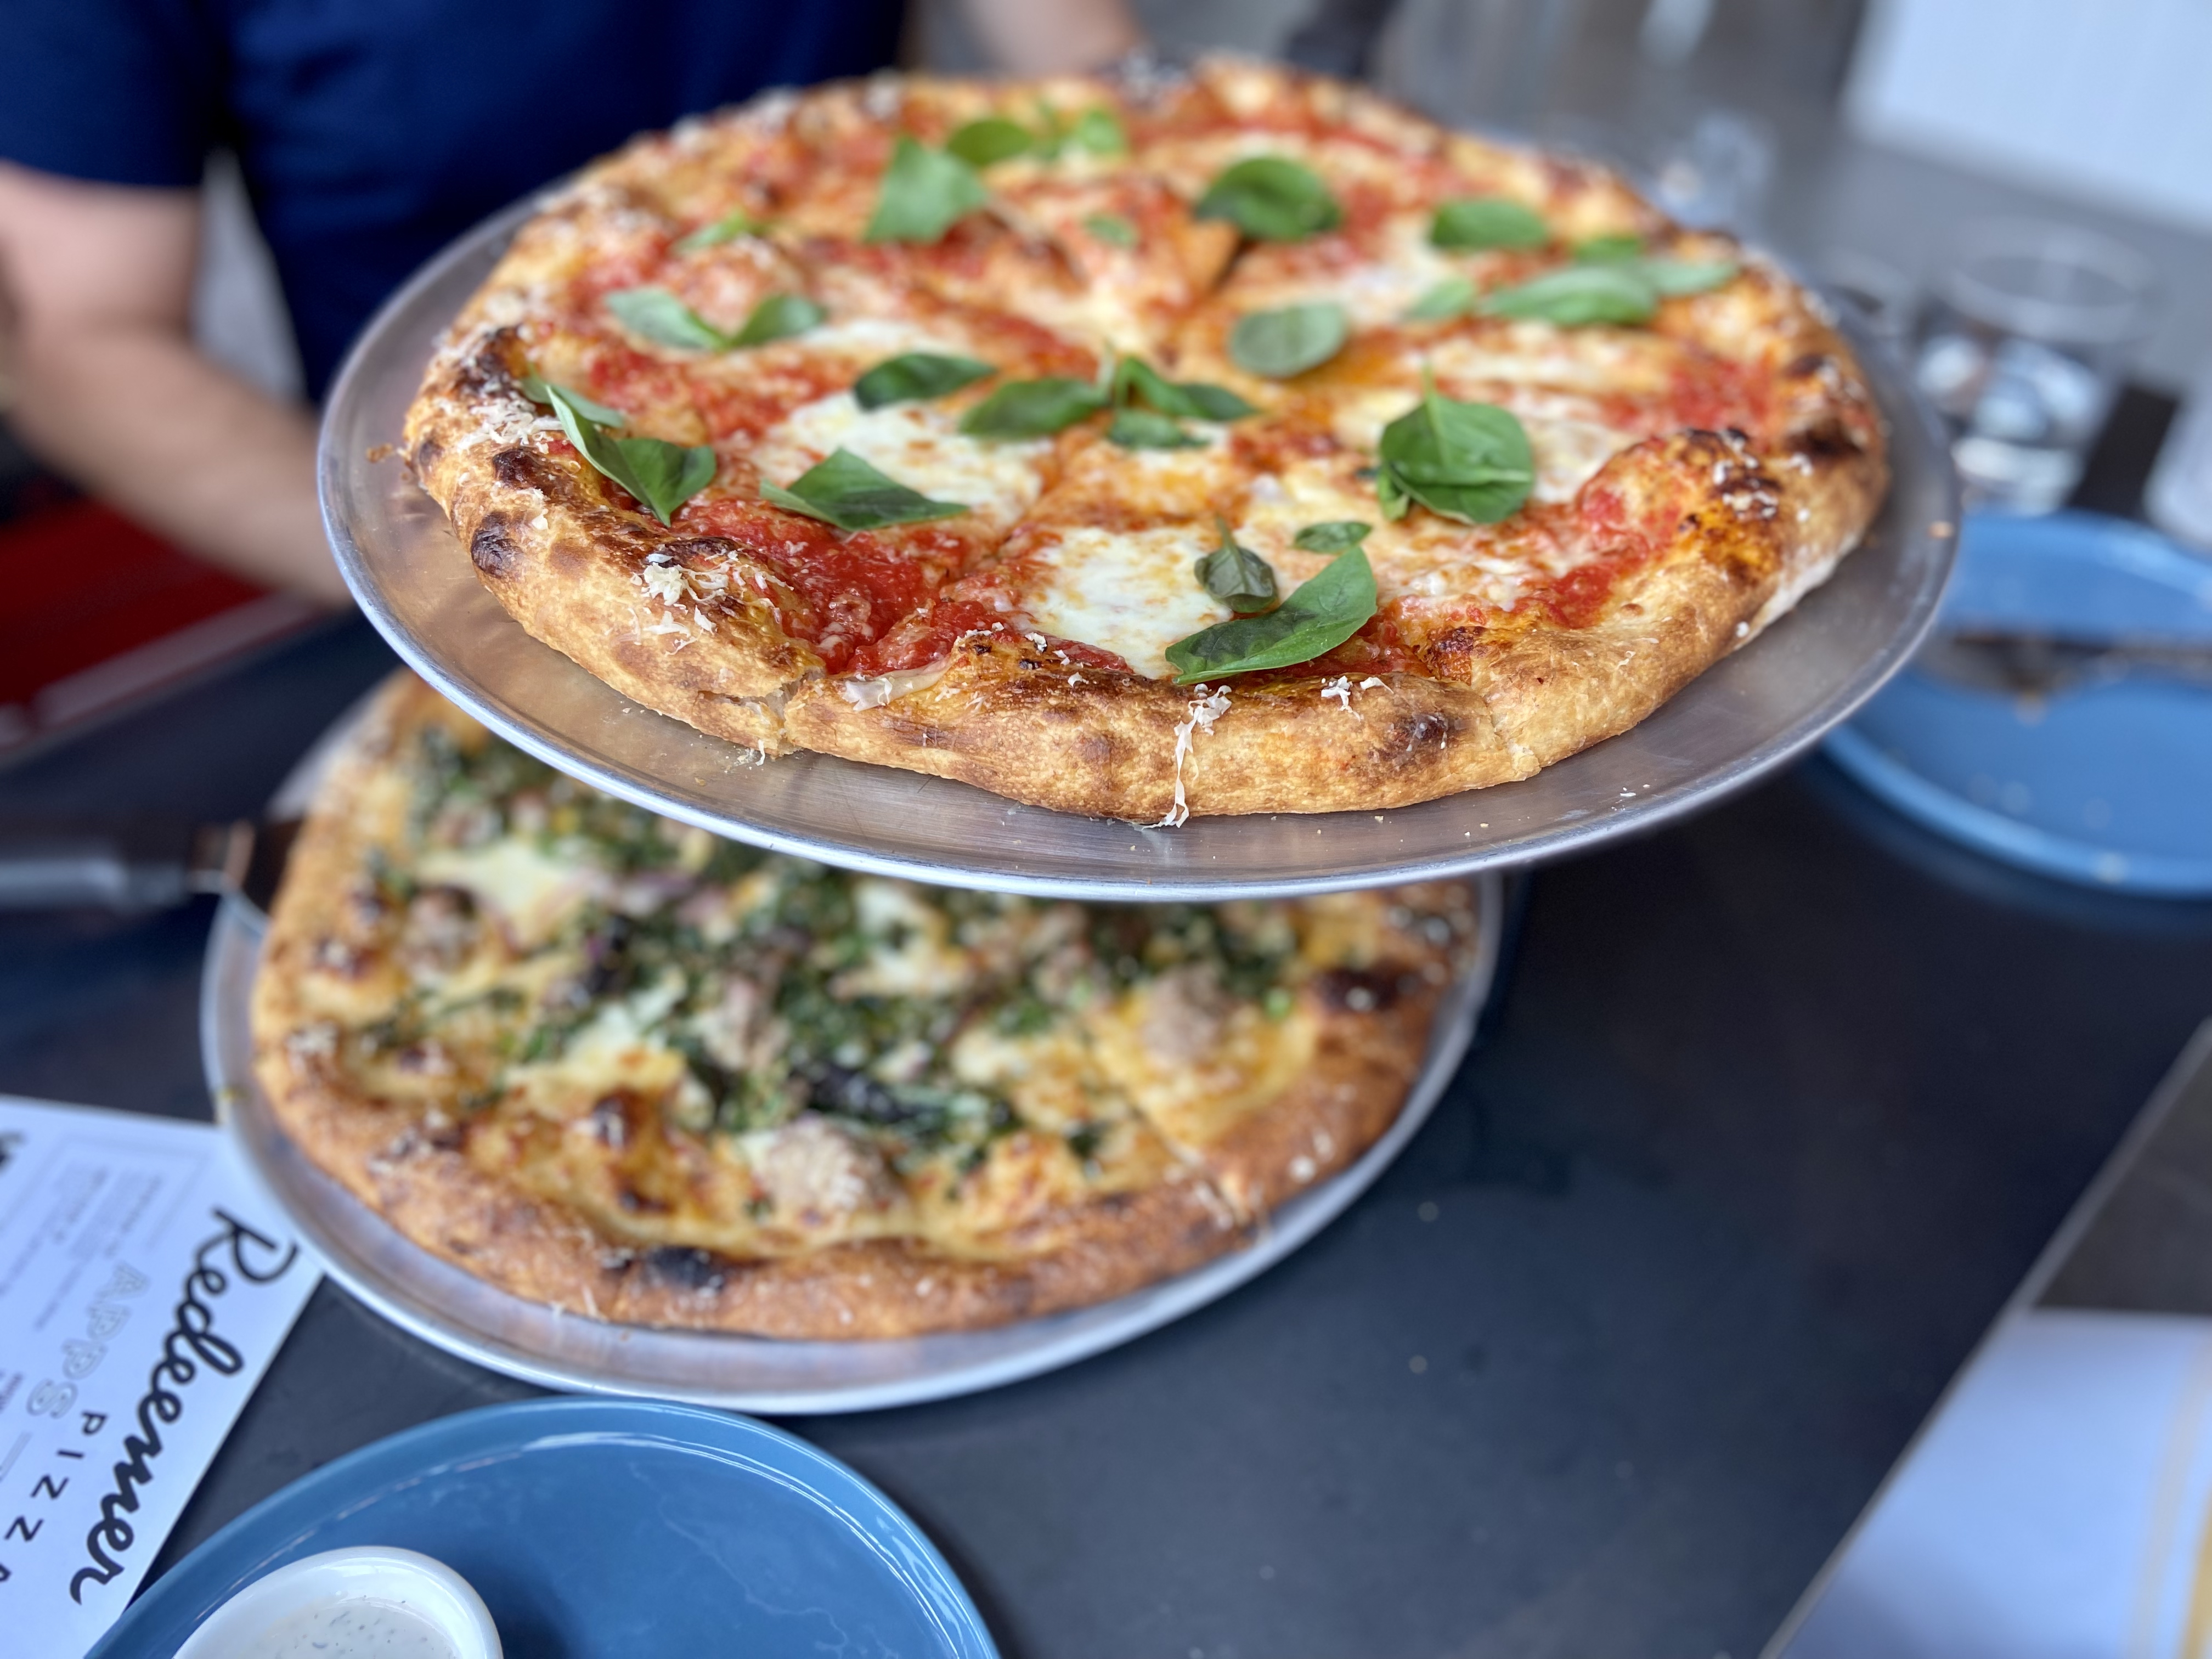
606 1530
2108 784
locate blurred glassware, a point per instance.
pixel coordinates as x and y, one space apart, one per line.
2022 348
2179 498
1484 63
1714 175
1876 290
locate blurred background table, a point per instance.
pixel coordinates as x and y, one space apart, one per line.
1776 1108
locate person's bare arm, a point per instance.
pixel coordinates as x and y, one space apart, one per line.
109 389
1051 37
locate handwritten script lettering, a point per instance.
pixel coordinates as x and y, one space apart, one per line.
191 1344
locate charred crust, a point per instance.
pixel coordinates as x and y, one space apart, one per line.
1358 990
492 548
1431 729
1453 654
714 549
491 369
519 468
685 1268
1826 439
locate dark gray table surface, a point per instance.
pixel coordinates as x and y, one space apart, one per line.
1778 1106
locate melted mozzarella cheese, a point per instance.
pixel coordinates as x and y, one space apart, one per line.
1568 453
529 889
871 339
918 444
1132 593
909 952
620 1048
1375 292
1594 361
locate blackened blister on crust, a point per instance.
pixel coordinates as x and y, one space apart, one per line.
525 469
1429 730
688 1269
1825 440
1358 990
492 548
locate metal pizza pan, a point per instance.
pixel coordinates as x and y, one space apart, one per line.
1747 715
462 1315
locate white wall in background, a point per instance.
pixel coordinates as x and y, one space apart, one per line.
2110 101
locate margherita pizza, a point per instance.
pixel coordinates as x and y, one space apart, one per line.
609 1062
1227 442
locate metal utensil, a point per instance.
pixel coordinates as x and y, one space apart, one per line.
139 863
2031 664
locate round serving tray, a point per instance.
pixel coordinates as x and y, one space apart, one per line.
462 1315
1745 716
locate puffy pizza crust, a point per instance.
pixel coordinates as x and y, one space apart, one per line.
1731 536
439 1182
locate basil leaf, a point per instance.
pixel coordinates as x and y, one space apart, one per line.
1236 576
1271 199
1578 295
662 318
924 194
916 377
1206 402
1191 400
993 138
1487 221
667 475
1614 249
1322 614
1466 461
1033 409
1452 297
661 474
1099 132
1141 428
1394 500
1281 343
778 317
728 228
1678 276
1112 228
539 390
1335 536
844 490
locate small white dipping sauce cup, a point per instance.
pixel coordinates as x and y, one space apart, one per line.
368 1603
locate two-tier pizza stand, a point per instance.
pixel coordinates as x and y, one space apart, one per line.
1747 716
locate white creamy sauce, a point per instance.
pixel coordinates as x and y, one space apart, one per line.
918 444
350 1629
1131 592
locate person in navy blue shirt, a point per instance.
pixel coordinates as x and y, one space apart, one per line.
370 133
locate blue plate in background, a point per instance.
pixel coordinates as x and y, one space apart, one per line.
606 1530
2109 784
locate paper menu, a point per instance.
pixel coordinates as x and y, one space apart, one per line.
146 1280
